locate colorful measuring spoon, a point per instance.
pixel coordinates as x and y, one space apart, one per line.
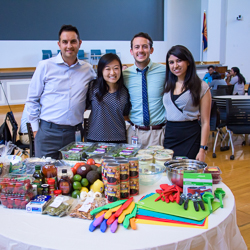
220 194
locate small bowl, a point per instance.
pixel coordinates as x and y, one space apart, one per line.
151 176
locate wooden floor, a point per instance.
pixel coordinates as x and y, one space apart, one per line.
235 173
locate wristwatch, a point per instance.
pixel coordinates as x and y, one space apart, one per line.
204 147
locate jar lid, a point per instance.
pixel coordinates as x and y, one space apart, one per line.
144 157
51 181
146 151
163 157
155 147
37 167
57 192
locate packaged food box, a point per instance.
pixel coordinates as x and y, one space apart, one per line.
101 148
75 152
197 182
125 150
38 204
16 192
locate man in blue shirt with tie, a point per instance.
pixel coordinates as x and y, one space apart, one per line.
145 81
57 95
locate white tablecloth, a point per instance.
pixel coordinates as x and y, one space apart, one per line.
22 230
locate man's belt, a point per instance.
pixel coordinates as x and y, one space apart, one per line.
58 126
23 133
154 127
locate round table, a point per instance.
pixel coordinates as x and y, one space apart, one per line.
22 230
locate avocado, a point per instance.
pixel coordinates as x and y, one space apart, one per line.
92 176
94 167
83 170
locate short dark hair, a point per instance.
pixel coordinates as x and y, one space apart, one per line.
69 28
210 66
144 35
216 75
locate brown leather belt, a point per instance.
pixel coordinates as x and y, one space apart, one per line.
154 127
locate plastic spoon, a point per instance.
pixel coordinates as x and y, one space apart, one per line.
98 221
208 198
220 194
91 226
103 226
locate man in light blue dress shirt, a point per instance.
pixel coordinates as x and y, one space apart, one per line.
141 48
57 95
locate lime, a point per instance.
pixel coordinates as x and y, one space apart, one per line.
77 177
76 194
77 185
84 182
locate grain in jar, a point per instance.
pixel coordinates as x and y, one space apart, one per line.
162 158
113 173
146 151
113 192
104 169
144 163
155 147
125 189
124 170
133 167
165 151
134 186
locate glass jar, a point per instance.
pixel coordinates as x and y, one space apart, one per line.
38 179
49 171
51 183
65 184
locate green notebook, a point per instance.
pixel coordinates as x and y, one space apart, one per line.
175 209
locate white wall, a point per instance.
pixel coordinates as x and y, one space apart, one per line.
15 54
238 36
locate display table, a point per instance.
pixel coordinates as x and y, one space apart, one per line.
22 230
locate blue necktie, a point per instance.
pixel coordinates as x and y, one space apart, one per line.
146 118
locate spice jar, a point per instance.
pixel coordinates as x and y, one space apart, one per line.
51 183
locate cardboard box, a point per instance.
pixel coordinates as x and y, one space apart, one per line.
38 204
197 182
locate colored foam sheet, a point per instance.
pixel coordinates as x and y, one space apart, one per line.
169 221
153 214
160 223
172 208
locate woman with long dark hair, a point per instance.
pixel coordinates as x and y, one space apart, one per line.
187 100
238 80
109 100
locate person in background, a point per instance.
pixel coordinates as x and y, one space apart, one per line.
238 80
216 81
145 83
57 96
23 131
109 100
187 100
124 66
208 76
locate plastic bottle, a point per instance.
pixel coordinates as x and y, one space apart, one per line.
65 184
49 171
38 179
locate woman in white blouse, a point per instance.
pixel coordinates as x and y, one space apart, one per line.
238 80
187 101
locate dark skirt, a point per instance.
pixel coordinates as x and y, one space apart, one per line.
183 137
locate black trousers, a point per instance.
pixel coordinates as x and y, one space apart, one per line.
51 137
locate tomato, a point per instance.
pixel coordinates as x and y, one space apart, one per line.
78 164
73 171
90 162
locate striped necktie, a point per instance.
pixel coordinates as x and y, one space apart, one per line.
146 118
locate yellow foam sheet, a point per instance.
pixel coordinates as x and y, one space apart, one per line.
160 223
